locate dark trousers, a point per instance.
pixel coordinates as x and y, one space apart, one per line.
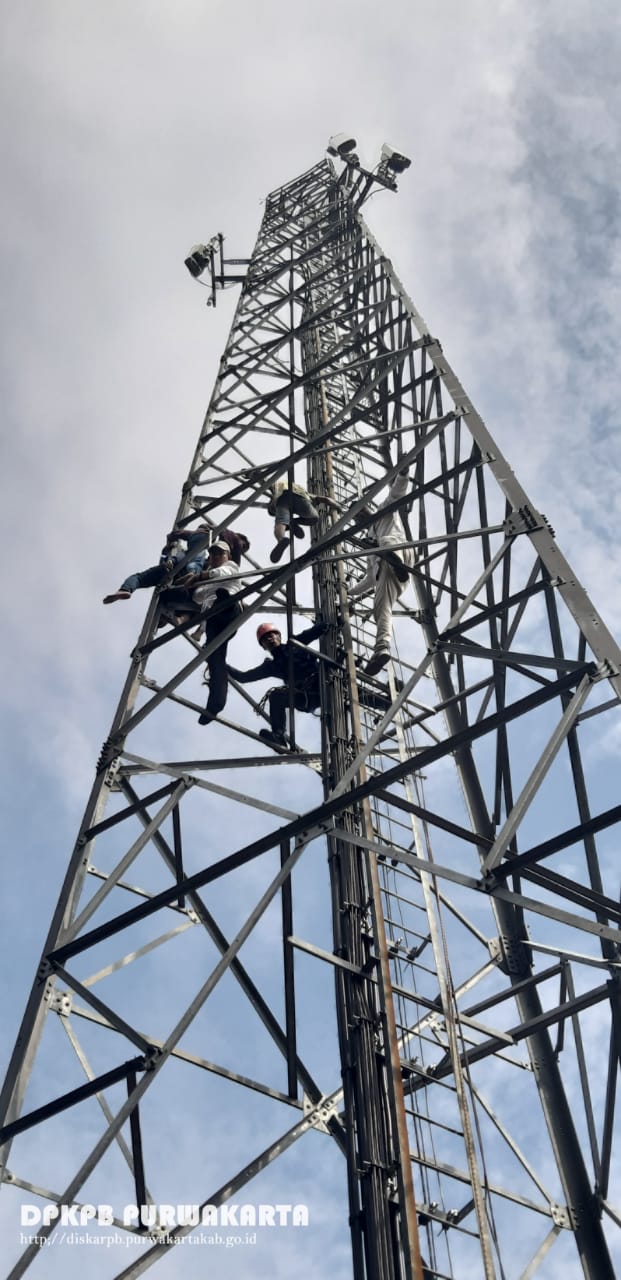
178 600
303 700
309 700
216 662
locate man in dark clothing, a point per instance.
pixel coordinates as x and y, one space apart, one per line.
288 661
285 660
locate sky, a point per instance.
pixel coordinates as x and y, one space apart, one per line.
132 130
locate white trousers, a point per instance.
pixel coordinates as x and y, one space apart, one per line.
387 590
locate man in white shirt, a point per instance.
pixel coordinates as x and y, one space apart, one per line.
387 575
215 593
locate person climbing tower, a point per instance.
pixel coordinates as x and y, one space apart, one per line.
388 572
285 660
172 554
292 508
216 594
288 660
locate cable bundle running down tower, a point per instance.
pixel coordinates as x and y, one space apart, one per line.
182 1042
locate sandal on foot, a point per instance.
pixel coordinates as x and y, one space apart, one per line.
117 595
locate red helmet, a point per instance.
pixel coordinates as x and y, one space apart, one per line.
266 629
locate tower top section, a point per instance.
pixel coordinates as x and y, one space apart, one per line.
208 259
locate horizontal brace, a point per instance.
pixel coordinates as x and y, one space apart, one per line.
139 952
457 536
230 762
435 1007
514 989
596 711
575 957
426 1213
387 434
434 819
492 1189
574 892
73 1098
467 692
222 280
320 954
613 1213
491 611
182 1055
473 650
229 793
128 812
551 1018
516 865
136 890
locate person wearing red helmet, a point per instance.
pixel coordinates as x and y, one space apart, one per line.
286 660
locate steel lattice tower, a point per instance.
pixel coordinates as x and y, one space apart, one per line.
467 915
